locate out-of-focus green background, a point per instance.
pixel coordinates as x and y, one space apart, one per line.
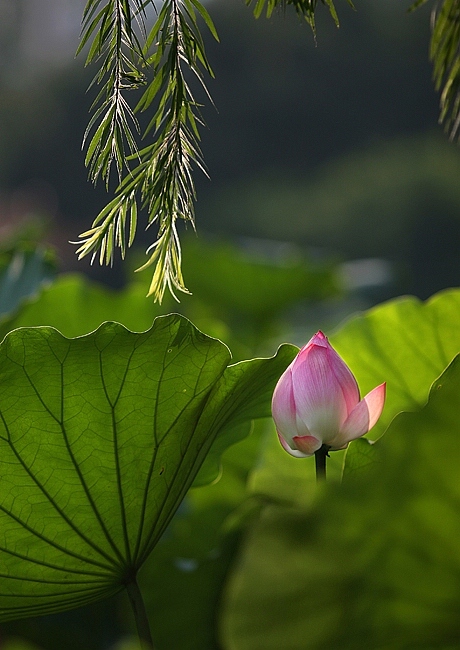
331 188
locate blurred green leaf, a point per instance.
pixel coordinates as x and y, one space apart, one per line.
239 295
19 644
76 417
405 342
304 8
258 283
76 306
23 272
415 5
129 643
376 558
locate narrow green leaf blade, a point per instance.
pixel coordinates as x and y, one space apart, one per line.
206 17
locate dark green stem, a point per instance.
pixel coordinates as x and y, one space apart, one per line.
320 462
140 615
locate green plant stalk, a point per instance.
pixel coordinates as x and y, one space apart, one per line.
140 615
320 462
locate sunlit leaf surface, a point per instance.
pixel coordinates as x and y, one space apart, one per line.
100 438
405 342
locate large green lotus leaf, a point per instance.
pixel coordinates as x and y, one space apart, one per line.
360 456
76 306
375 560
100 438
405 342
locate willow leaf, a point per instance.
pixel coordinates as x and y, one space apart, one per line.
206 17
304 8
161 178
445 55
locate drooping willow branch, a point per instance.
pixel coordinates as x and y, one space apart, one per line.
117 47
445 54
157 177
304 8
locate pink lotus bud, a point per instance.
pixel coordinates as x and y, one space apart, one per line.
316 401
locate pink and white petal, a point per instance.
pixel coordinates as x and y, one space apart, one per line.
364 416
336 365
318 397
375 401
345 378
307 444
294 452
335 447
283 406
302 429
317 339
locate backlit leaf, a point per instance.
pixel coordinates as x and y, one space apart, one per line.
100 438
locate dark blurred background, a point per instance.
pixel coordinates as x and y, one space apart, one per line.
333 146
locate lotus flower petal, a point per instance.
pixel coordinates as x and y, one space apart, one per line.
363 417
283 406
294 452
307 444
316 401
325 390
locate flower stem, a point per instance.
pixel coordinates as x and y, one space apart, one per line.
320 462
140 615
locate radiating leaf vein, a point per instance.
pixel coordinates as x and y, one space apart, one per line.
80 476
